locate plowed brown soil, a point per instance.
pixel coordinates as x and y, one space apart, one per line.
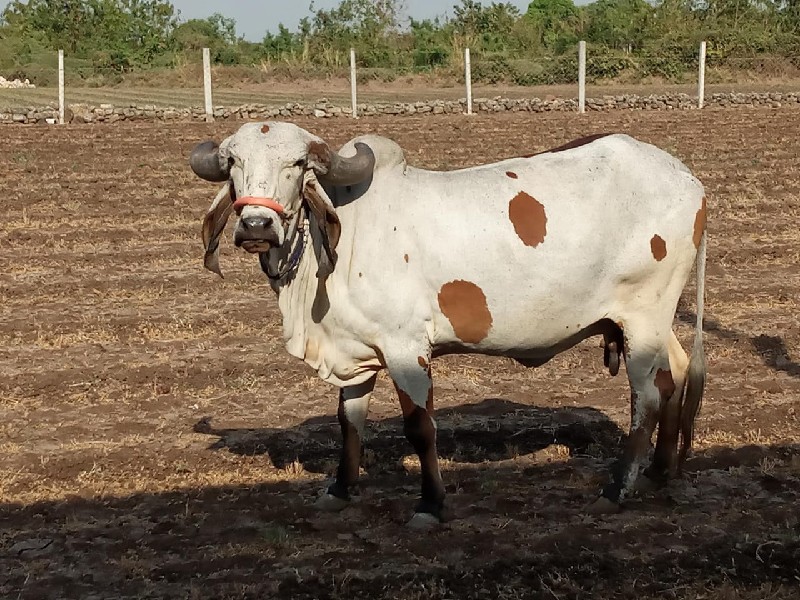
157 442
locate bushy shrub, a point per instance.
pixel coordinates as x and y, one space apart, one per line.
607 66
495 70
374 74
562 69
430 57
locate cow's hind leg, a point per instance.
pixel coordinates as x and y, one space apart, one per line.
647 360
412 379
665 457
353 408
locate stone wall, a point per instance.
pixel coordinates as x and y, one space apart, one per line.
106 113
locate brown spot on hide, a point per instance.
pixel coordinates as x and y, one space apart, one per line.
405 257
699 224
529 219
464 305
512 174
665 383
422 362
319 152
265 129
658 247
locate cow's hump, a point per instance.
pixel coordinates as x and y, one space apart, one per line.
388 154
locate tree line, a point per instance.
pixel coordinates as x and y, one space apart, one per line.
117 37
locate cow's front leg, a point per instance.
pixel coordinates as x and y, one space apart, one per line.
415 390
353 408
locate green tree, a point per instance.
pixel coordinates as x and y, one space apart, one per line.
789 11
63 23
286 45
489 28
117 33
618 24
217 33
557 22
430 42
368 25
745 26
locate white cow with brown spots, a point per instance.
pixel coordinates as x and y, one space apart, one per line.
380 265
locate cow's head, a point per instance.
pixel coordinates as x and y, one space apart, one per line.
272 171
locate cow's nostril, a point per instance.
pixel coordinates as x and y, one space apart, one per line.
256 222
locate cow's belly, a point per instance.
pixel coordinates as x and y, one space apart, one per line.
518 326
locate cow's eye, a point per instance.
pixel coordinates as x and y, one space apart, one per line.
300 162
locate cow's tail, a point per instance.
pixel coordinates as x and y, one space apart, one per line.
696 373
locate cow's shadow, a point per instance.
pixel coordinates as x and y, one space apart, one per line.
771 349
492 430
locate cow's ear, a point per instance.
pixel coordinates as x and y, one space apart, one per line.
325 220
213 225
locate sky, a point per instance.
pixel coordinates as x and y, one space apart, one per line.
255 17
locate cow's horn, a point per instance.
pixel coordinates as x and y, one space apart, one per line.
206 164
350 170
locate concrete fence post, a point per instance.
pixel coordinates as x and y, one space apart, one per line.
468 79
61 107
353 83
701 77
582 77
207 85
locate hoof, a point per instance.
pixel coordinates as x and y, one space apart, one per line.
423 521
603 506
646 485
330 503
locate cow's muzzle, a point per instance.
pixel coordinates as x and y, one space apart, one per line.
256 234
258 230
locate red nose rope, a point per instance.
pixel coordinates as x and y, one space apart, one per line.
255 201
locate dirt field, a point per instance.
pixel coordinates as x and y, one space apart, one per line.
157 442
